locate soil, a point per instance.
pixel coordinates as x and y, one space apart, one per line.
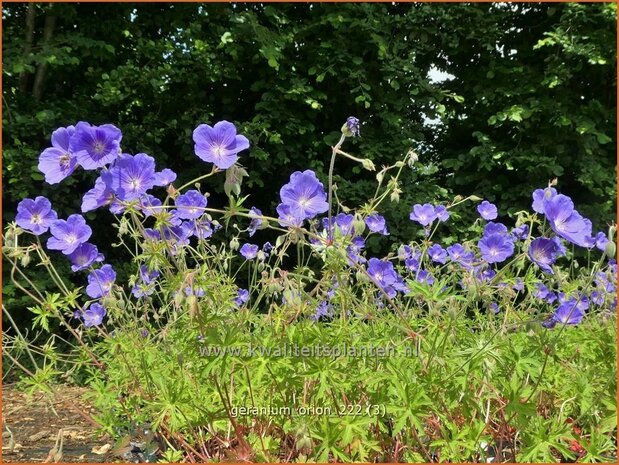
50 428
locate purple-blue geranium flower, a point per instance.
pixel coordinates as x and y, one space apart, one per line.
93 315
351 127
487 210
540 196
242 296
304 195
249 251
177 236
566 221
568 312
256 220
286 218
495 228
150 205
323 310
541 291
131 176
543 252
35 215
437 254
202 228
97 197
190 205
495 307
146 284
521 232
484 273
346 223
377 224
84 255
412 264
441 212
195 291
219 144
599 241
597 297
459 254
58 162
425 277
95 146
165 177
496 248
384 276
68 234
423 214
354 250
100 281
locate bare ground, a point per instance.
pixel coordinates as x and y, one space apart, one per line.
49 428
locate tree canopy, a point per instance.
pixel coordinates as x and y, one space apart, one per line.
530 94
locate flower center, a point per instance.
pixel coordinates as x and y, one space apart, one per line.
219 150
64 161
71 239
36 219
135 183
98 147
304 201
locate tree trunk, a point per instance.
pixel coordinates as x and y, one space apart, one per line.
39 78
30 15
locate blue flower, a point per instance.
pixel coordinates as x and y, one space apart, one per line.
487 210
565 221
68 234
423 214
543 252
35 215
100 281
540 196
385 277
437 254
377 224
304 195
93 315
95 146
242 296
190 205
249 251
131 176
219 144
84 255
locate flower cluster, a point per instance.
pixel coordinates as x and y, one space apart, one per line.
127 185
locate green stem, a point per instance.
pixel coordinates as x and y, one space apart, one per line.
331 166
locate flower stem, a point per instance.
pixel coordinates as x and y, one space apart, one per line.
331 166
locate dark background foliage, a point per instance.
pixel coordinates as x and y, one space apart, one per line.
531 97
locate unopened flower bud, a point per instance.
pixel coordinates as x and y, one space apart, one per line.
412 157
351 127
234 244
395 195
358 225
380 176
361 277
368 164
611 249
25 260
474 198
